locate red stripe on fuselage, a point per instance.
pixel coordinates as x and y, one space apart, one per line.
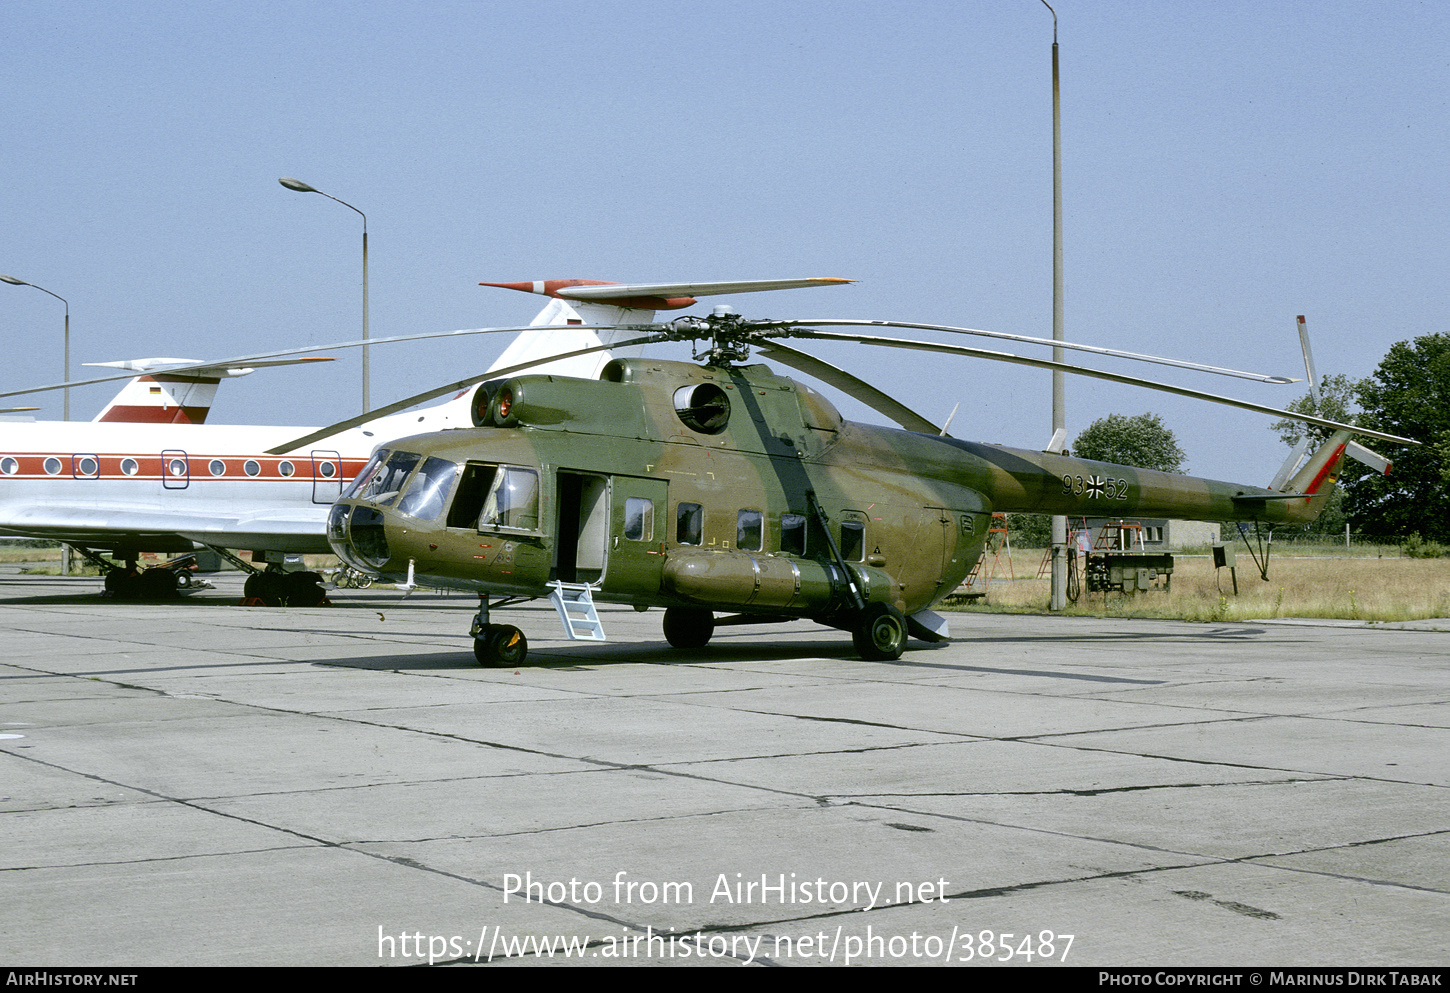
1328 471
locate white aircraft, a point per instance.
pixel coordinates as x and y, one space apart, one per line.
146 475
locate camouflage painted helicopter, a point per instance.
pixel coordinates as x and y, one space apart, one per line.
724 487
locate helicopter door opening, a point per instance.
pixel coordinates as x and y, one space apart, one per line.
583 530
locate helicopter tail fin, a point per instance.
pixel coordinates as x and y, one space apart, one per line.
1317 477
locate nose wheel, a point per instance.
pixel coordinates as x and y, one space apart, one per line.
500 645
496 644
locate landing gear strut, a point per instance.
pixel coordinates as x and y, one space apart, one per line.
496 644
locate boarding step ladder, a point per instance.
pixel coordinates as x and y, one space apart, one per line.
575 604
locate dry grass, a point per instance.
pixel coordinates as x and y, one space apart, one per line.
1300 585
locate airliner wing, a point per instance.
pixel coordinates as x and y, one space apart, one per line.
299 529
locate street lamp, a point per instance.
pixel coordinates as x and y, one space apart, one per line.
301 187
20 282
1058 593
64 548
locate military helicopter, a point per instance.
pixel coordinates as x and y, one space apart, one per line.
725 488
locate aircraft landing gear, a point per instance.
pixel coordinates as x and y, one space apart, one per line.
880 633
496 644
285 589
688 627
500 645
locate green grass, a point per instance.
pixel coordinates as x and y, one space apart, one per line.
1303 582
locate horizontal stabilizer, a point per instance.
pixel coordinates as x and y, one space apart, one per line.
159 396
656 296
1374 460
694 289
160 365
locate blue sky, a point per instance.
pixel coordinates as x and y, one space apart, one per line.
1227 166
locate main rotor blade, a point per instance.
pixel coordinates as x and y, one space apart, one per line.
257 359
1115 353
982 353
418 398
849 385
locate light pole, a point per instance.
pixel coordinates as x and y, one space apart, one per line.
20 282
301 187
1058 598
64 548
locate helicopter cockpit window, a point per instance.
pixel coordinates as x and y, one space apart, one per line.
514 501
853 543
472 491
704 407
366 476
639 519
385 486
749 530
424 499
689 524
793 534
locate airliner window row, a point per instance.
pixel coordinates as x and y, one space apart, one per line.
94 466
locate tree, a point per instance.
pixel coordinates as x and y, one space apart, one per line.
1140 441
1337 400
1409 395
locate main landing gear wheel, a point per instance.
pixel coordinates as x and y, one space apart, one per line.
880 633
688 627
500 645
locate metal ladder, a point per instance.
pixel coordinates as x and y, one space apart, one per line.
575 604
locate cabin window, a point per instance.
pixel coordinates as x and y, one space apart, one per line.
639 519
286 468
388 482
425 496
130 467
749 530
52 466
793 534
514 502
326 470
177 467
217 467
86 465
853 541
9 466
689 524
468 501
252 467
